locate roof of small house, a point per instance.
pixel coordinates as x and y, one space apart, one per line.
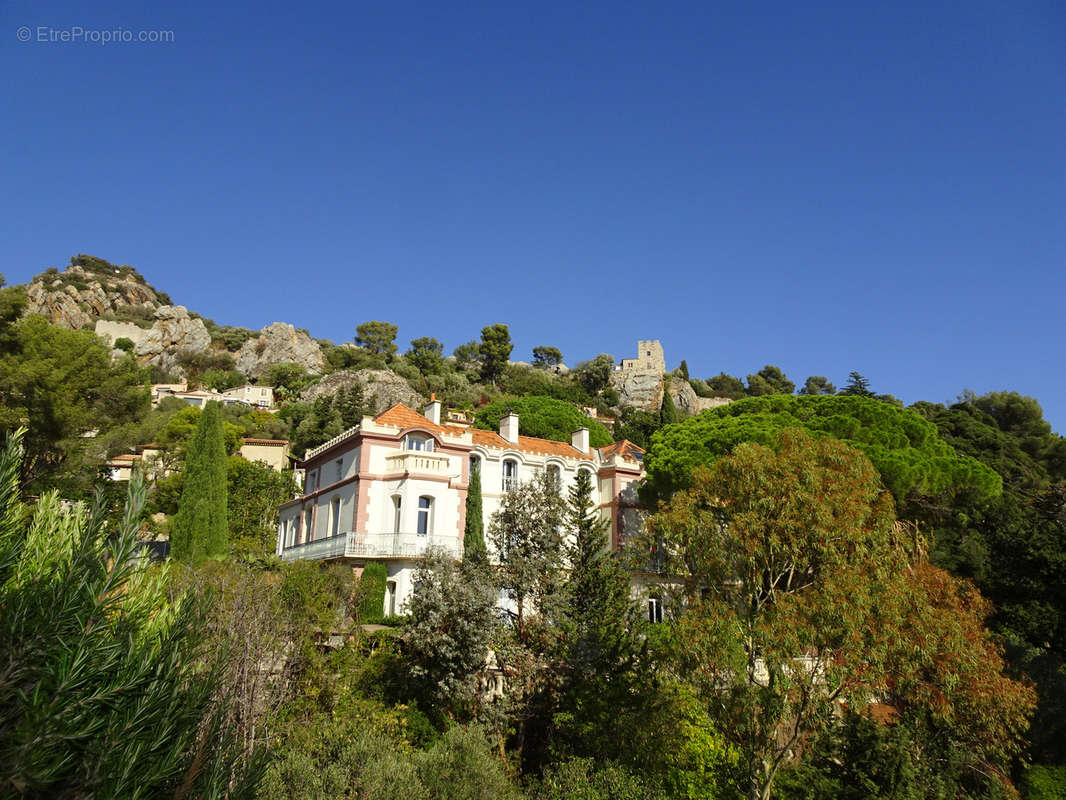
266 442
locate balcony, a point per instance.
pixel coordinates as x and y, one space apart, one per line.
417 462
375 545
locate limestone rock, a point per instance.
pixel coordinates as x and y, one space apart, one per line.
683 395
77 297
382 388
279 343
173 332
56 306
639 389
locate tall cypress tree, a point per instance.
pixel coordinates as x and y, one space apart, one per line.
200 529
668 414
474 532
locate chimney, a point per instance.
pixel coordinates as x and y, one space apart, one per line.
580 440
509 427
432 410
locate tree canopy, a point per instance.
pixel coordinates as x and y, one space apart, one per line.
769 380
62 385
802 593
377 337
906 449
494 350
544 418
545 356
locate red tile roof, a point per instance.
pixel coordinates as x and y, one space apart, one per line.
277 442
625 448
403 417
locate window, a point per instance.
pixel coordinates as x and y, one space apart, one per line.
510 475
312 481
335 517
556 475
309 534
655 609
475 463
425 515
340 468
414 441
396 514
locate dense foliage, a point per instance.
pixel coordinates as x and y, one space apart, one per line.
802 594
911 458
109 682
543 418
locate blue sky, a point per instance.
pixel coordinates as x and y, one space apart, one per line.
825 186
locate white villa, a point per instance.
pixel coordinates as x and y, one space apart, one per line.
397 484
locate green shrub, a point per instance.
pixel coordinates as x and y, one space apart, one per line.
1044 782
372 589
544 418
584 779
124 343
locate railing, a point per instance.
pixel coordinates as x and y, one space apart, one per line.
418 462
510 483
314 451
374 545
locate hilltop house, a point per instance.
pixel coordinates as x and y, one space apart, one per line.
397 484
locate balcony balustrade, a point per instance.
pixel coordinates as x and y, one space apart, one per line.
418 462
374 545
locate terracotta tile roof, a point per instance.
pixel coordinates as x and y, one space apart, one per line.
277 442
528 444
124 457
403 417
625 448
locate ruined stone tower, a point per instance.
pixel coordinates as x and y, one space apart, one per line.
649 358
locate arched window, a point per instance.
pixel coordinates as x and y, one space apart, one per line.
425 515
556 475
396 513
416 441
510 475
335 516
475 463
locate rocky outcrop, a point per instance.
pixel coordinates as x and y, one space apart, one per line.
381 388
77 297
641 389
279 343
688 402
173 333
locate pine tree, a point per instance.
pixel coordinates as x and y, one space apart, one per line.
474 532
858 385
200 527
603 667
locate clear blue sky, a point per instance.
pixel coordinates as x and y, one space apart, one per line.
825 186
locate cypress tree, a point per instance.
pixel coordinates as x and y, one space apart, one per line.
474 532
668 414
200 529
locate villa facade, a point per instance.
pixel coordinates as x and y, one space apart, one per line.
396 484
